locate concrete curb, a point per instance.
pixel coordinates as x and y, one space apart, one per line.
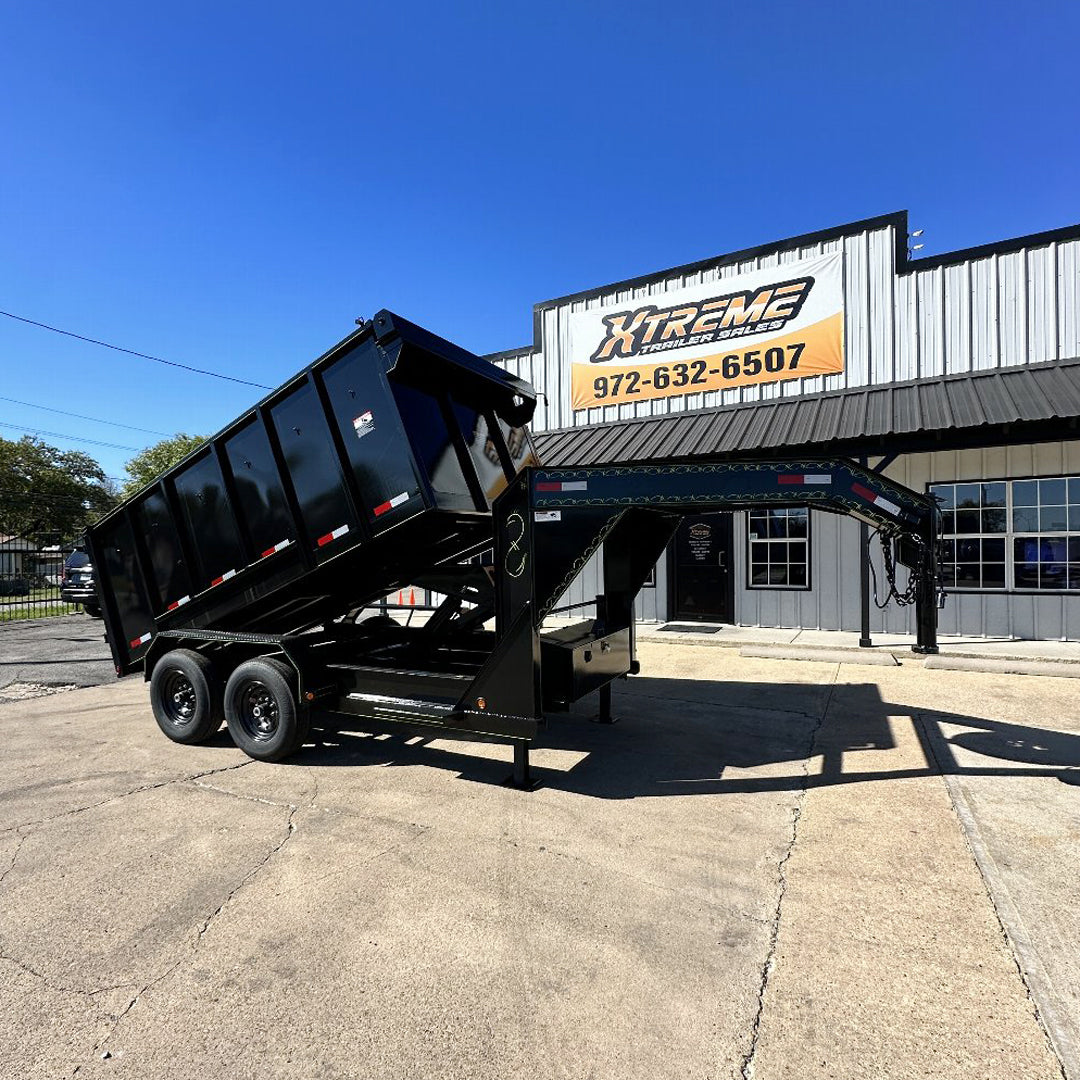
820 655
1005 666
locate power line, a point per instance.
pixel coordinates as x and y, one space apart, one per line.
133 352
81 416
74 438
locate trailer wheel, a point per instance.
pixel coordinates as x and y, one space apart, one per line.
261 710
186 696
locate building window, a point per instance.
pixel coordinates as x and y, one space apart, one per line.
779 548
1011 534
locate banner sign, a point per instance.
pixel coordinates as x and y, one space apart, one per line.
786 322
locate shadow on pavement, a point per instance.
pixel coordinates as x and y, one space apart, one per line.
674 738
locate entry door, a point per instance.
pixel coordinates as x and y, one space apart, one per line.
703 569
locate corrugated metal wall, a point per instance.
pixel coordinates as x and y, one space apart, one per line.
998 310
984 312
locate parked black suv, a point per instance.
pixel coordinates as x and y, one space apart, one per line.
77 584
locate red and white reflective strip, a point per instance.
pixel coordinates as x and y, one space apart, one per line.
136 642
281 545
804 478
878 500
176 603
224 577
562 485
340 531
397 500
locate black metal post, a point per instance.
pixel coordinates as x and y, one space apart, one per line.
865 641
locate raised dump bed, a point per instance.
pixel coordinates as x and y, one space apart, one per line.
374 464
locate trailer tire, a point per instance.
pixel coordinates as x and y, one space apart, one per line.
261 710
185 695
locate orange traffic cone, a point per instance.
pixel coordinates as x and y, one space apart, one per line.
412 596
399 599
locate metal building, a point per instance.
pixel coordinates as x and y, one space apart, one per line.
958 373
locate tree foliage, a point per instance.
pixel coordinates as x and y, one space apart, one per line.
45 490
154 460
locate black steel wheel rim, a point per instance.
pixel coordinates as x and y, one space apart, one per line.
258 711
179 700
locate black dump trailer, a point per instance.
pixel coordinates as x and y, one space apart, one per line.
239 580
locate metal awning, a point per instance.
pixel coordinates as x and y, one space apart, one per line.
1025 403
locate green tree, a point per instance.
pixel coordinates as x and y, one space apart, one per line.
154 460
47 490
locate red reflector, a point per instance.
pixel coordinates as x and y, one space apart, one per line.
380 510
174 604
549 485
268 551
216 581
790 478
866 493
324 540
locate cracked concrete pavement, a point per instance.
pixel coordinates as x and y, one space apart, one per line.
764 876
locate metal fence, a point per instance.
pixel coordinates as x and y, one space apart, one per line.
31 570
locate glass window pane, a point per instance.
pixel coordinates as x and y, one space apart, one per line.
1053 519
797 575
967 521
778 524
993 550
967 550
1052 576
967 495
967 575
1026 549
1027 575
797 551
1074 576
759 575
1074 549
1074 490
1074 518
759 553
798 523
777 575
994 494
1051 491
1025 492
1025 519
993 521
777 553
948 551
948 522
758 527
1052 549
948 575
993 575
944 494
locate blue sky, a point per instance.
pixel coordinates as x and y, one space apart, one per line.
230 185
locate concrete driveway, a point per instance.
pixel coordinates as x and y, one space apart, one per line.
766 869
65 650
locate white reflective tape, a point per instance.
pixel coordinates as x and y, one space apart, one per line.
889 507
341 530
817 478
547 515
397 500
182 600
575 485
228 574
